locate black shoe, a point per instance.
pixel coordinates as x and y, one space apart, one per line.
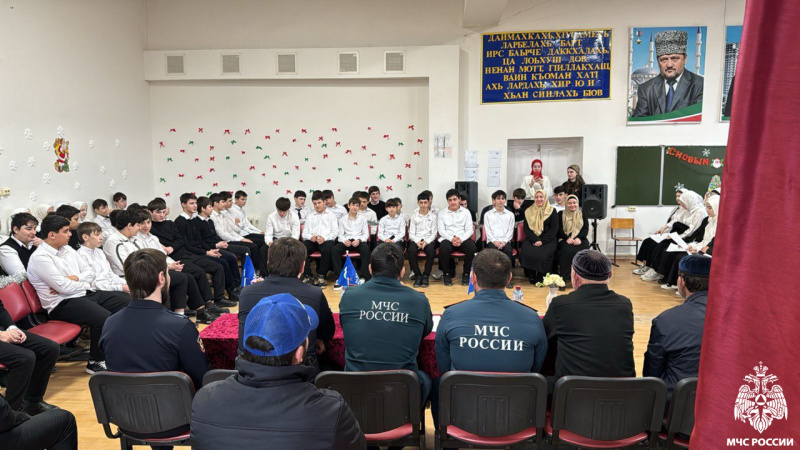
189 312
66 351
232 297
320 283
425 280
465 279
92 367
418 281
212 308
36 408
224 303
448 280
206 316
237 290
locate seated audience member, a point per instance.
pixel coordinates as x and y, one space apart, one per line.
188 283
91 242
422 231
146 337
353 237
287 256
590 330
228 231
54 429
283 407
101 212
429 195
675 224
16 251
463 200
572 235
256 238
541 230
519 204
330 203
282 223
369 213
383 321
375 202
559 198
29 360
392 227
574 184
400 212
319 234
207 233
72 214
536 181
63 282
673 352
499 227
455 232
82 208
300 209
120 201
175 246
238 212
42 211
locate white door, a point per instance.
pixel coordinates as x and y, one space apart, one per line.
556 155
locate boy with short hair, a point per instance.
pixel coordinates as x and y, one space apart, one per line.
520 204
375 203
100 208
330 204
72 214
120 201
237 210
422 237
226 229
499 227
353 237
208 235
369 214
281 223
91 242
16 251
559 198
300 209
319 234
455 232
464 202
392 227
400 212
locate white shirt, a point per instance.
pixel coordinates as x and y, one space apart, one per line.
423 228
557 207
353 228
372 220
499 226
405 218
455 224
674 87
117 248
388 227
226 229
279 227
321 224
49 268
9 258
231 219
244 223
339 210
104 278
529 191
151 241
301 213
432 209
105 224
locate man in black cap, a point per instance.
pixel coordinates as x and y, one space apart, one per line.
590 330
673 352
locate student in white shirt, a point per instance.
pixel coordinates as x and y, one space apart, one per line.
330 203
282 223
256 238
455 232
227 229
499 226
422 237
392 227
353 237
404 216
237 210
319 234
559 198
429 195
300 210
16 251
369 214
63 282
101 211
120 201
90 236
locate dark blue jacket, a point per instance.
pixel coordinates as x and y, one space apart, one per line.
490 333
673 352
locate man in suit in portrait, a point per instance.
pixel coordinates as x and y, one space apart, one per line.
675 87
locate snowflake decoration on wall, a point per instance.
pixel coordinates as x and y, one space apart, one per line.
74 165
46 146
91 143
31 161
28 134
113 184
12 166
46 178
103 170
706 152
33 196
1 149
60 131
116 143
124 174
77 185
679 187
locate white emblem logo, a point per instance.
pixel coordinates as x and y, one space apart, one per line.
760 405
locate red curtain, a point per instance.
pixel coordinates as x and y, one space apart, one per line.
753 310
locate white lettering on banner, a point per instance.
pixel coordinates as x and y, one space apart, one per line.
512 345
760 442
384 311
494 330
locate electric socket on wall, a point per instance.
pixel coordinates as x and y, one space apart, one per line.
631 209
5 192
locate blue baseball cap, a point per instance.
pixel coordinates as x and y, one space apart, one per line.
282 320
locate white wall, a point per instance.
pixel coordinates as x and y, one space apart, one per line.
77 65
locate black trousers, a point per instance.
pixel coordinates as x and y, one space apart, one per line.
467 247
430 256
508 249
92 311
183 291
29 366
230 267
336 258
199 276
258 253
324 263
213 268
53 430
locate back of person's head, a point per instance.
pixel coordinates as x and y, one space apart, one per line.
387 261
112 217
428 194
225 195
298 194
119 196
87 229
143 271
362 195
492 269
559 190
276 331
67 211
22 219
186 197
317 196
498 194
373 189
327 194
239 194
99 203
463 196
156 205
203 202
285 257
391 203
694 272
591 267
398 200
135 206
452 193
123 218
519 193
53 223
283 204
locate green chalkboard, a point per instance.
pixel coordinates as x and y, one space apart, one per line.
638 176
691 167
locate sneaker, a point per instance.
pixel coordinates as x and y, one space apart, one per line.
233 297
337 287
641 270
447 280
437 274
189 312
215 309
465 279
224 303
413 276
651 275
425 281
417 281
308 279
205 316
361 281
93 367
668 286
320 282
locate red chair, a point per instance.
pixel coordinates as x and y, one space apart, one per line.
18 306
513 239
459 254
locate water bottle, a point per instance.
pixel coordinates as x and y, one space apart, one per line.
518 294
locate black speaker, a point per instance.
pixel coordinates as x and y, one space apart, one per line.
594 201
471 189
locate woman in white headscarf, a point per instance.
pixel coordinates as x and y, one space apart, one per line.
83 208
674 224
701 245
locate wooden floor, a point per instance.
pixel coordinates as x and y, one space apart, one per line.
69 389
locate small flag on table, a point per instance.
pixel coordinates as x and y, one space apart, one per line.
349 276
248 271
471 288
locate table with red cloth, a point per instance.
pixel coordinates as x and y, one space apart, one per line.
221 343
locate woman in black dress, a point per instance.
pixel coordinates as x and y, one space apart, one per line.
574 183
541 229
572 236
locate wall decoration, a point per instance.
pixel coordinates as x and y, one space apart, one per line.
60 131
46 178
31 161
666 68
116 143
61 149
33 196
530 66
77 185
28 134
443 145
733 41
12 166
91 143
46 146
1 149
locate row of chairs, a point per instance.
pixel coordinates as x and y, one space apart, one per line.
485 410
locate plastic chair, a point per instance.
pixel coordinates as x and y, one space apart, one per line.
490 409
625 225
18 306
143 405
513 239
217 375
681 414
387 404
593 412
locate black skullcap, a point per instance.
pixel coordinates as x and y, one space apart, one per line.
592 265
695 265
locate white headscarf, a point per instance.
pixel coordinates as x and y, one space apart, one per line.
692 200
80 205
711 226
40 212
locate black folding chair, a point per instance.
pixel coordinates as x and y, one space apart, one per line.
387 404
490 409
680 419
147 408
217 375
593 412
